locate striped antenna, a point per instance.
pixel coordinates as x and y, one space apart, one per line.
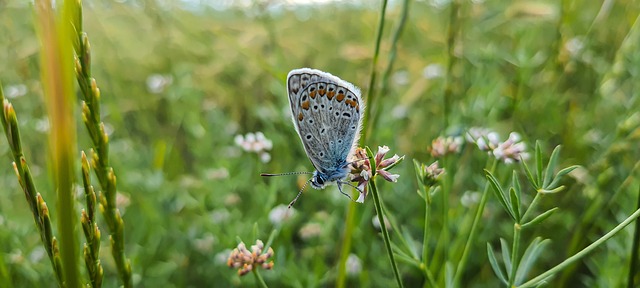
299 193
284 174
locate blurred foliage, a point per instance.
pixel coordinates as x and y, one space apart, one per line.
179 81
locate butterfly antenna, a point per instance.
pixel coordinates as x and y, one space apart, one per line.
299 193
284 174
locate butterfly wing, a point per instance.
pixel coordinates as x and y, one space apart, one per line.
327 114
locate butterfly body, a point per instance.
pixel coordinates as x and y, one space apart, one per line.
327 114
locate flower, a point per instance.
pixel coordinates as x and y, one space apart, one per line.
431 173
361 168
353 265
246 261
442 146
157 83
511 150
280 213
486 139
256 143
310 230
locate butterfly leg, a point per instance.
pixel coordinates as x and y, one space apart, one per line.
339 183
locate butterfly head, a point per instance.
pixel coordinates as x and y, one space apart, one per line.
319 180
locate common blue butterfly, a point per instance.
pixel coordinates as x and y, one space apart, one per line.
327 114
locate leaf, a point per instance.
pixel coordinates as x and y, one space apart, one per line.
372 160
497 189
448 274
540 217
515 204
494 264
506 257
561 174
529 258
538 163
551 166
419 172
535 185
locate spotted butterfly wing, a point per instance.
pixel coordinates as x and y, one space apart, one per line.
327 114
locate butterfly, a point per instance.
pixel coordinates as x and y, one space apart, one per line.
327 114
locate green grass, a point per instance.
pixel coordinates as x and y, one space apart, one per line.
559 72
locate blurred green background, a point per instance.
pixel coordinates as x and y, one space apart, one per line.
180 80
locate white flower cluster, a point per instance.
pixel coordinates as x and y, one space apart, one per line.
256 143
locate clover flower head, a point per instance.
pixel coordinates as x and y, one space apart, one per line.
432 173
511 150
255 143
484 138
361 168
442 146
245 261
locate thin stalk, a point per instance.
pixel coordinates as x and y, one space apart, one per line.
534 202
425 240
385 233
515 259
393 51
474 229
633 266
349 228
259 279
55 33
346 245
372 79
451 38
582 253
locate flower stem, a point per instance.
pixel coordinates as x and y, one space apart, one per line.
346 245
259 279
385 233
582 253
535 201
425 240
514 253
474 229
633 266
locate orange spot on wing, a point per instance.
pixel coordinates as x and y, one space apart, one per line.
340 97
321 92
312 94
330 94
358 108
305 105
353 103
300 117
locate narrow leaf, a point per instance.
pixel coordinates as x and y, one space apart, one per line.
539 163
506 257
540 218
529 258
551 166
494 265
529 175
515 204
419 171
497 189
561 174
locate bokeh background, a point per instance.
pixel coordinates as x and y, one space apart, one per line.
180 80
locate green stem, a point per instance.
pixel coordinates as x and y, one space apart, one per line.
534 202
451 37
474 229
515 261
259 279
346 245
425 240
372 80
582 253
385 233
633 266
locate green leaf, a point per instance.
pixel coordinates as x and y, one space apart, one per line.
497 189
529 258
552 191
551 166
448 274
529 175
494 265
538 163
540 217
561 174
419 171
515 204
506 258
